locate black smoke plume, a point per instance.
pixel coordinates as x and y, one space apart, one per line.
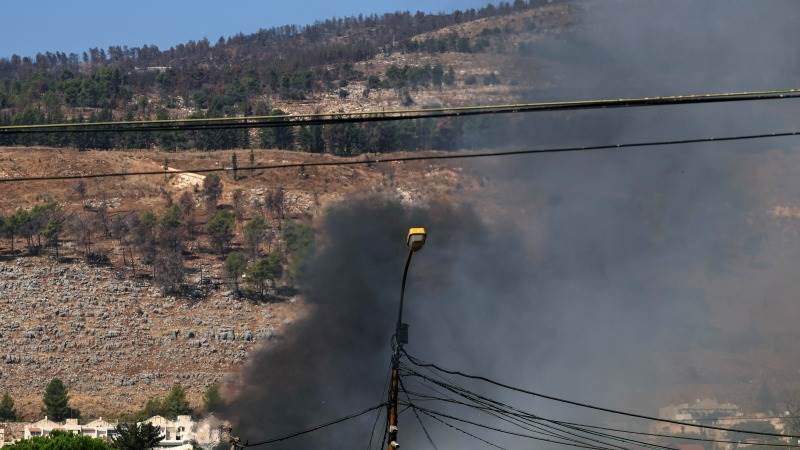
337 358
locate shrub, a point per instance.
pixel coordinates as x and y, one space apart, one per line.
220 230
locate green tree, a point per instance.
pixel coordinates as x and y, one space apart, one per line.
170 257
52 234
212 190
60 440
7 411
11 227
175 403
255 232
186 202
310 139
171 217
212 399
299 239
56 401
238 203
265 271
153 407
137 436
235 265
220 230
277 137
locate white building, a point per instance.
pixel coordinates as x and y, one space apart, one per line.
183 431
708 412
179 434
98 428
701 409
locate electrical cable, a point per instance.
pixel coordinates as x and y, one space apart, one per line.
378 413
541 428
503 415
536 421
366 161
511 417
416 414
464 431
618 430
585 405
509 432
674 436
317 427
579 426
373 116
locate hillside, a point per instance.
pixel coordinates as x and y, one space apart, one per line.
108 330
392 61
647 277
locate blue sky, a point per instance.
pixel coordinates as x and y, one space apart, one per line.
73 26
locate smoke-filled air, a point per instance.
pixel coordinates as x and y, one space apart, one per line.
613 277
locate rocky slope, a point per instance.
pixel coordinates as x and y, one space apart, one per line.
112 337
116 342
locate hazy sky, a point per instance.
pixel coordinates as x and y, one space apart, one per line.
75 25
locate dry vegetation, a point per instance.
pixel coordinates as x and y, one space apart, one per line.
106 330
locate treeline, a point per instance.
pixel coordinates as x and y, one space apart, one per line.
273 248
289 61
341 139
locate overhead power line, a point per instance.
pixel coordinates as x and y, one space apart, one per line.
535 425
530 420
419 419
430 412
512 415
460 430
419 363
419 397
384 116
674 436
315 428
363 161
728 418
568 437
498 409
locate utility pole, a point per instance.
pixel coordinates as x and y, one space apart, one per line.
415 241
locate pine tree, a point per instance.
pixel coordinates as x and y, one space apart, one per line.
137 436
7 411
235 265
175 404
213 399
56 401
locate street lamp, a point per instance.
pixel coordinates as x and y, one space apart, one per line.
415 241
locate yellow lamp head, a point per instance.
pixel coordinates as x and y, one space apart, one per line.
416 238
